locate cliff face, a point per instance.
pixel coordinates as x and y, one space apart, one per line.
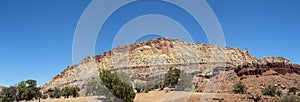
149 60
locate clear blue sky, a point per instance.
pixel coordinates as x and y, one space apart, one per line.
36 36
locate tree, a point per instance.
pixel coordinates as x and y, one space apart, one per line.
21 88
171 78
6 95
31 83
31 90
239 88
66 92
56 93
25 90
116 86
75 91
70 91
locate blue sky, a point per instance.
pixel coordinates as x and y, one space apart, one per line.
36 36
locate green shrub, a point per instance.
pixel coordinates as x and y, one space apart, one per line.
171 78
256 98
279 93
270 90
293 90
239 88
147 90
289 99
6 95
56 93
117 86
70 91
44 96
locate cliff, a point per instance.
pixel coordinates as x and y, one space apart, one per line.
149 60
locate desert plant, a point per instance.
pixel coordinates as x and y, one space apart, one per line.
279 93
146 90
6 95
293 90
56 93
171 78
25 90
256 98
44 96
270 90
117 86
239 88
70 91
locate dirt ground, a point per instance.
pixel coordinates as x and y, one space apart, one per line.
161 96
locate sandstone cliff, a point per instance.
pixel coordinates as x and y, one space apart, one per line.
149 60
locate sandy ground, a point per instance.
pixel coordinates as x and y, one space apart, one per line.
161 96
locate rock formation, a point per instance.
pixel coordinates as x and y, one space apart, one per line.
149 60
1 87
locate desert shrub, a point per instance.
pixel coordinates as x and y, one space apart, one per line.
146 90
177 79
270 90
171 78
117 86
298 94
256 98
70 91
44 96
293 90
145 86
239 88
289 99
279 93
6 95
56 93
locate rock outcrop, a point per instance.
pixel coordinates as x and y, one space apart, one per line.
149 60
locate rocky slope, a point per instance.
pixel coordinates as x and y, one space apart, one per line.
1 87
149 60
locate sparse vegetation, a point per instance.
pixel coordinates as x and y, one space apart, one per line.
25 90
70 91
293 90
56 93
177 79
240 88
270 90
144 86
